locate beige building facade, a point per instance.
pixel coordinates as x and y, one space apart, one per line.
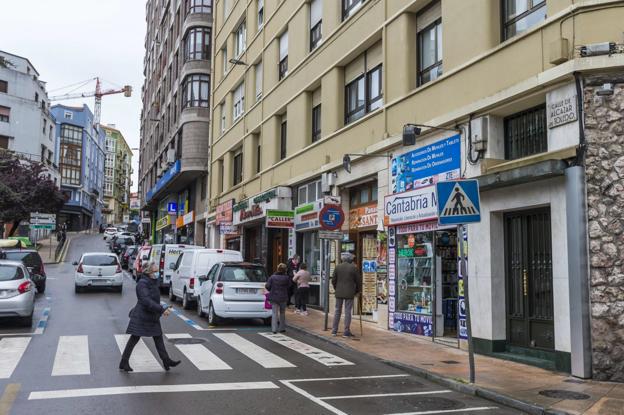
300 84
117 176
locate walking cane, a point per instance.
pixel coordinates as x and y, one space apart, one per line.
361 311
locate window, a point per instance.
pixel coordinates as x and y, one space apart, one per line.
68 115
240 39
197 44
36 97
5 114
224 56
363 195
309 192
283 140
204 186
430 52
227 8
71 134
222 112
355 98
196 92
316 23
349 7
526 133
238 168
258 75
4 87
363 90
221 176
239 101
520 15
374 89
258 157
316 123
4 142
260 4
198 6
312 252
283 50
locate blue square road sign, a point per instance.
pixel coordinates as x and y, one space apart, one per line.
458 202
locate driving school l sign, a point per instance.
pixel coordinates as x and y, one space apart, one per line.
459 202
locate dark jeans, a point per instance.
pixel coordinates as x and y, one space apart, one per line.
302 298
133 340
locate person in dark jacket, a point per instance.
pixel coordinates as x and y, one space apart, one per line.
292 267
145 318
347 284
277 285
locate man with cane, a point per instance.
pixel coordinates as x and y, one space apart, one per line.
347 283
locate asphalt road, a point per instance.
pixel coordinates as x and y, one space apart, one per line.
67 364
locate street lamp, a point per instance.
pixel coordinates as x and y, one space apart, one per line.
411 131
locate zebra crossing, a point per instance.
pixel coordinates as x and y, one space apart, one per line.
72 357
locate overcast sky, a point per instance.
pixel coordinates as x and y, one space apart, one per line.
70 41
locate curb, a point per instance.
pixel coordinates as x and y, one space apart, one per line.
64 250
453 384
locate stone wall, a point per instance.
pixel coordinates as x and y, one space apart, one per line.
604 132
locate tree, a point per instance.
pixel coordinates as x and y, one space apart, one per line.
25 188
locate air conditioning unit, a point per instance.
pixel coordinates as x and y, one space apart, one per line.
171 156
327 182
480 133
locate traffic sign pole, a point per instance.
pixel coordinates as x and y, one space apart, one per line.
464 269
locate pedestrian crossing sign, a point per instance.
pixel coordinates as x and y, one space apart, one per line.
458 202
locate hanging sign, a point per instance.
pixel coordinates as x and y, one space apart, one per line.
331 217
284 219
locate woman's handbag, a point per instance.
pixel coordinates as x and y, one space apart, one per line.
267 303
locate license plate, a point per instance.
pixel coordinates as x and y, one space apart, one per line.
101 282
245 291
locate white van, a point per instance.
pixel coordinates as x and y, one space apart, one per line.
169 254
192 264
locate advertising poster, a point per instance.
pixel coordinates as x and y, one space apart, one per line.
413 323
391 276
461 304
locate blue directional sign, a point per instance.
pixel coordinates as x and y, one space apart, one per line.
458 202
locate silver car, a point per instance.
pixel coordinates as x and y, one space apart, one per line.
17 292
98 269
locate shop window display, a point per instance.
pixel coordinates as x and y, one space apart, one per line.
415 272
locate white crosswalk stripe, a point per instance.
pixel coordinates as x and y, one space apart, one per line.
319 355
141 359
72 356
199 354
256 353
11 351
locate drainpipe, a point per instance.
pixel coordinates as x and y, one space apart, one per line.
578 253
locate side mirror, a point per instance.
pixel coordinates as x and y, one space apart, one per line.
75 263
202 278
172 266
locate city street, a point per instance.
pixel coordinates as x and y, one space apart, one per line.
67 364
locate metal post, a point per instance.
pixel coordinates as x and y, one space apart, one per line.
464 265
326 280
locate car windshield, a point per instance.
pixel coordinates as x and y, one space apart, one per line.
243 274
99 260
9 272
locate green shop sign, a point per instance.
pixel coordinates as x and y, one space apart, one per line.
305 208
265 197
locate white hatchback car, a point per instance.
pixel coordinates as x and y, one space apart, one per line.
233 290
17 292
98 269
109 232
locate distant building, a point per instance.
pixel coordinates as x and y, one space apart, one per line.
117 176
26 125
81 162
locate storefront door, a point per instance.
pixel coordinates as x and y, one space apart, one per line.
278 252
530 321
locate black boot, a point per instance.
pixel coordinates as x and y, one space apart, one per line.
169 363
125 366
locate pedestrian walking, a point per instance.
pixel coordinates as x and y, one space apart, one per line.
145 318
277 285
292 268
347 283
302 279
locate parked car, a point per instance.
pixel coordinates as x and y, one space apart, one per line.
109 232
169 254
233 290
121 243
128 256
33 262
157 254
98 269
17 292
142 255
190 265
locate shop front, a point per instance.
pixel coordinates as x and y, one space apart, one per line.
164 230
185 228
229 236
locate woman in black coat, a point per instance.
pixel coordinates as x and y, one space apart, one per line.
145 318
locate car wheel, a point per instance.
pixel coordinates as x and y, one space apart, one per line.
200 311
267 321
41 288
213 319
186 302
172 296
26 321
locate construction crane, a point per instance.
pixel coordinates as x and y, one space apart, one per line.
98 94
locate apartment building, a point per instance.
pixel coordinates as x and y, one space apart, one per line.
311 100
175 119
117 176
26 125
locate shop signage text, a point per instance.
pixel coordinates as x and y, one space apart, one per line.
414 206
562 112
363 217
228 229
163 222
265 197
253 212
307 216
284 219
224 212
188 218
173 171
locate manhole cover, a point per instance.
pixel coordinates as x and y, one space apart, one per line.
450 362
561 394
435 404
186 340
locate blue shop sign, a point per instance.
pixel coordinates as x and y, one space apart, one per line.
172 208
173 171
427 165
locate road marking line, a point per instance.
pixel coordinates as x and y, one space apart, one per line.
256 353
198 354
319 355
11 351
382 395
41 325
447 411
349 378
8 397
127 390
193 324
72 356
141 359
314 399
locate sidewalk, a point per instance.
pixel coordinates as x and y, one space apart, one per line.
507 382
47 249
